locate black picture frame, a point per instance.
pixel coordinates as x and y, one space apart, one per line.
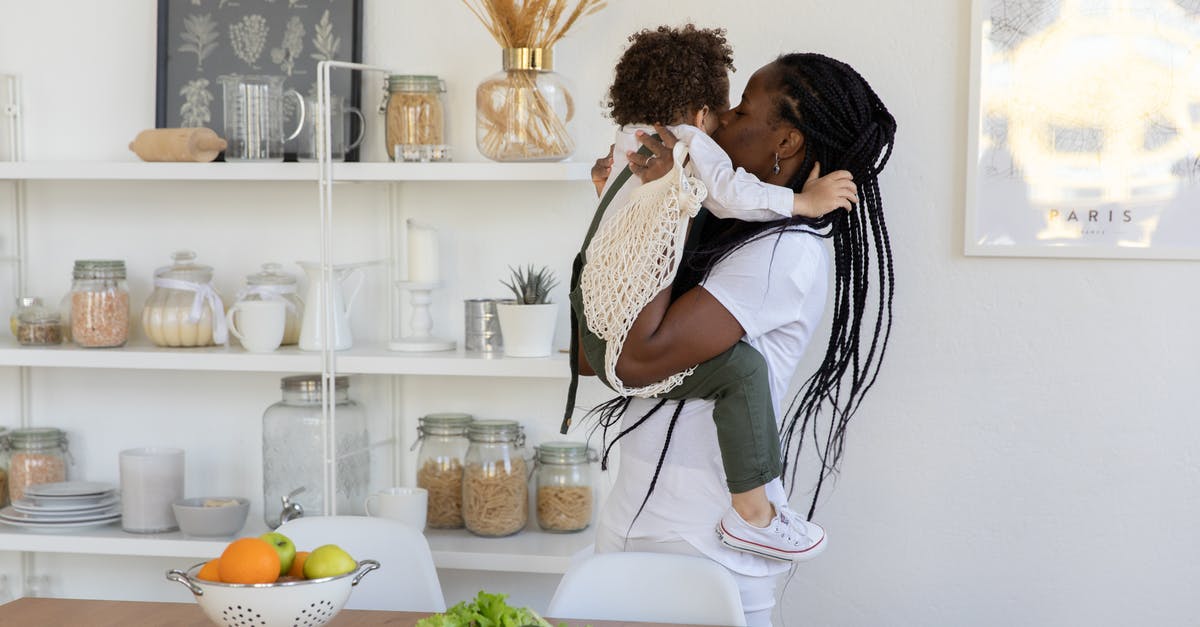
210 27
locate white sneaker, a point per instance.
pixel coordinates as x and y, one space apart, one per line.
787 538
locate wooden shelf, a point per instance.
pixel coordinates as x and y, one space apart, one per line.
353 172
368 359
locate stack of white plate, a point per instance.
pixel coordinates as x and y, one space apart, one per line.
64 505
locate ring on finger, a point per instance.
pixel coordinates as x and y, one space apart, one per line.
648 159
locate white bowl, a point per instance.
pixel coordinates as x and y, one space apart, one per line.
311 602
211 522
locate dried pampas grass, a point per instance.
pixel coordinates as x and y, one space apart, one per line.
530 23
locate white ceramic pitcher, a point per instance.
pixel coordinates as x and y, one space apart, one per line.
312 332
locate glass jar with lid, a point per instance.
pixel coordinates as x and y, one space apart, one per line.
416 118
272 283
38 325
294 449
184 309
36 456
23 303
99 304
495 488
443 447
562 477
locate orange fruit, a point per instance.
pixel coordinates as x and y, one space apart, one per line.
209 571
297 569
249 560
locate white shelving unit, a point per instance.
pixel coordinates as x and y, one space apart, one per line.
306 172
531 551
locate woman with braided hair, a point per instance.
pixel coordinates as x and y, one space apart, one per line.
763 283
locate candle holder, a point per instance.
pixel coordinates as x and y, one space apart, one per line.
421 323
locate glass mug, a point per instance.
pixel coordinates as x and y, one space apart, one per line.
254 117
311 127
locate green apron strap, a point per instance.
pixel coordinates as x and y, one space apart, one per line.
576 271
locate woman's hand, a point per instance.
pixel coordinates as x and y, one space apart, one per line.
601 170
660 161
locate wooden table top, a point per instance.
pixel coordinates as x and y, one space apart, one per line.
31 612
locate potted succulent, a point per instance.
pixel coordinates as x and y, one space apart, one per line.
527 324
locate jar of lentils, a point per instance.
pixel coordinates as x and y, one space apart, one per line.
564 486
443 441
99 304
495 492
36 456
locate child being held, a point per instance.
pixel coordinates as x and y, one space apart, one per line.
680 76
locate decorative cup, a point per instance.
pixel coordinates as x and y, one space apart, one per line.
151 479
258 324
407 505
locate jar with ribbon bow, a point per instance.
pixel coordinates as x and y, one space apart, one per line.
272 283
180 310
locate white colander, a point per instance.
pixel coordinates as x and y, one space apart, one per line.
308 603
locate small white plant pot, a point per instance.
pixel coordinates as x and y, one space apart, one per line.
528 330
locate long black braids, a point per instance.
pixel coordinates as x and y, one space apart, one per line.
846 127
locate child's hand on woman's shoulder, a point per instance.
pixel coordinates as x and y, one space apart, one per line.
825 194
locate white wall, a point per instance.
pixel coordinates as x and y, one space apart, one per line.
1028 456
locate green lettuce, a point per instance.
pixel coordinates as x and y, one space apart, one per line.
486 610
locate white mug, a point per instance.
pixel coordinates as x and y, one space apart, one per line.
258 324
407 505
151 479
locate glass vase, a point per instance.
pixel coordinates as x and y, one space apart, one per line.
524 112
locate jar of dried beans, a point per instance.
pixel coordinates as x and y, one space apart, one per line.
416 119
443 446
495 492
36 456
564 486
99 304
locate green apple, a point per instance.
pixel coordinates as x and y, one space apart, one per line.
328 560
283 546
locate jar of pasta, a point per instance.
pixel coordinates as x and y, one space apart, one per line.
495 492
564 486
416 118
35 456
99 304
443 446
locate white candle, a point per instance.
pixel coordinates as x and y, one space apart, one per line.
422 253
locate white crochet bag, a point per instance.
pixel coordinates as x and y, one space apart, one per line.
633 256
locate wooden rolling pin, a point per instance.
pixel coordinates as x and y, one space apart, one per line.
177 144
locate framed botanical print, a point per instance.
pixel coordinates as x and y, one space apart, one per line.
1084 129
201 40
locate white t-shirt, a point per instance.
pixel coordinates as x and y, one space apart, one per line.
776 288
732 193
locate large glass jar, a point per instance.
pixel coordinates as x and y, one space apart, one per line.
443 447
564 486
99 304
272 283
523 113
416 118
184 309
35 456
294 449
495 488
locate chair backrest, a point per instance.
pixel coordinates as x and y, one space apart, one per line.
407 578
649 587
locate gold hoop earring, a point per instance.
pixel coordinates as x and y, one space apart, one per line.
775 169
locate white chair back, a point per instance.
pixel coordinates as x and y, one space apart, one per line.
407 579
649 587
